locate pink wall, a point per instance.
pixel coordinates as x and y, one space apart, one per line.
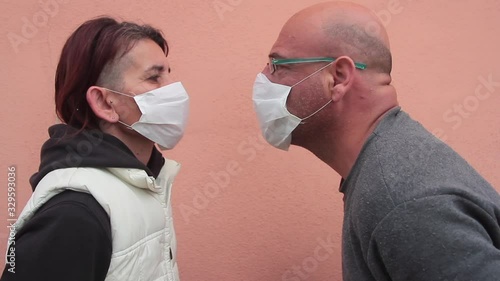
275 209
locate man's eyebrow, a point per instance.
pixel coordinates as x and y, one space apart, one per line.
276 55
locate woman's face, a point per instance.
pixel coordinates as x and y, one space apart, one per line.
144 68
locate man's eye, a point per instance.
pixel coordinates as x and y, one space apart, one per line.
281 66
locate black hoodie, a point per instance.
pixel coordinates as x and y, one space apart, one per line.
69 237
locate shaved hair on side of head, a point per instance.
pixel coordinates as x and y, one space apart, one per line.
356 42
346 28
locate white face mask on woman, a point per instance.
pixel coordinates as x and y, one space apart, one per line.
164 114
276 122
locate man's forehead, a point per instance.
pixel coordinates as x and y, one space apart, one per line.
293 42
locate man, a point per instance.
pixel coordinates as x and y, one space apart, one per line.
414 209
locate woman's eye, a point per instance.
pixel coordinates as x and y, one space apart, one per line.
154 78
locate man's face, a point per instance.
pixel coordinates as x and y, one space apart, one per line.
295 41
145 68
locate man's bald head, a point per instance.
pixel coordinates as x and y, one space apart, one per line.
339 103
341 28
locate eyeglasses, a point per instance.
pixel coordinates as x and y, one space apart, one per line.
274 62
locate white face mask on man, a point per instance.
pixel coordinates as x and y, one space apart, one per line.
164 114
276 122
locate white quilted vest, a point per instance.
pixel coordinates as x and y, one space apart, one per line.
140 212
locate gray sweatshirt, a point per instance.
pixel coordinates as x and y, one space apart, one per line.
416 210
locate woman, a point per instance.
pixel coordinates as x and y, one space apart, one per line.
101 207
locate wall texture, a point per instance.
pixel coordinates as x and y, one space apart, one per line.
243 210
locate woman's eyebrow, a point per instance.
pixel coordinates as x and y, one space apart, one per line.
156 68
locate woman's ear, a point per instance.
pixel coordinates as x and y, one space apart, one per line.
342 77
100 101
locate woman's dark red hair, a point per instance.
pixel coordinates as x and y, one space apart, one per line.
95 44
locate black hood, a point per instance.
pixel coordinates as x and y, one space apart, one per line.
90 148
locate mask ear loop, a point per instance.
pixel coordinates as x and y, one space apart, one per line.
311 115
126 125
309 76
116 92
130 96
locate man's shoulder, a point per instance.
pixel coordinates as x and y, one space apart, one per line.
403 162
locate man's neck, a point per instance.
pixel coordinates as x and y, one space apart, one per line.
340 147
339 150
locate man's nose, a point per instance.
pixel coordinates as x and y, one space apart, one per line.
265 71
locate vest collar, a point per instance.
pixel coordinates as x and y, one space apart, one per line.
140 179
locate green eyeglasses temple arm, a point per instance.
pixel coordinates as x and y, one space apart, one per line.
291 61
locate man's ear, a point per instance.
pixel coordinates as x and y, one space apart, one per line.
342 75
100 101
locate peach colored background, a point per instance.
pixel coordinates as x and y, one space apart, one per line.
271 214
